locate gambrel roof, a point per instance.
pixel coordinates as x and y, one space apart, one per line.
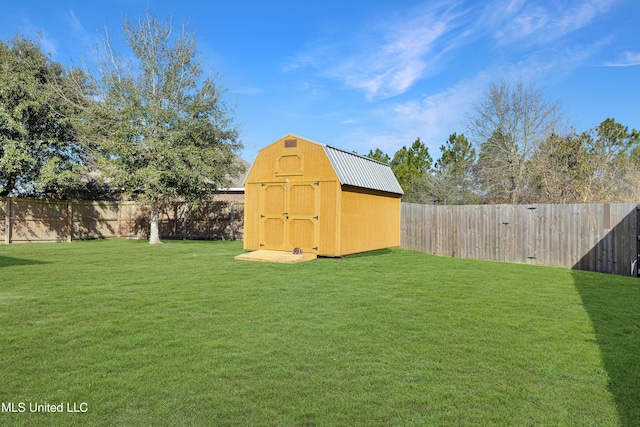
359 171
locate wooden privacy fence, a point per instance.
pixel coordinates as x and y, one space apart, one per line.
30 220
595 237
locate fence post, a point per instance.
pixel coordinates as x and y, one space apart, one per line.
233 236
175 221
184 221
637 236
119 228
70 213
7 221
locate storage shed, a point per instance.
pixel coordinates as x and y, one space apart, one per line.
304 194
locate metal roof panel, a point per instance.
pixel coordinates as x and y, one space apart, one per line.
359 171
356 170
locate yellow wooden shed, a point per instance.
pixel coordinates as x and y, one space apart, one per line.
301 193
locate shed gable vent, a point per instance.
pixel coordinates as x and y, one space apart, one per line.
290 143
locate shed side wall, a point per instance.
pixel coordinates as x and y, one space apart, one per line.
329 219
370 220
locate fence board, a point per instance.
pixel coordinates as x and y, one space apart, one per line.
31 220
595 237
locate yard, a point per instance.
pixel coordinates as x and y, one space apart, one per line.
126 333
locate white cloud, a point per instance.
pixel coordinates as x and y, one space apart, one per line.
394 56
303 60
388 56
581 15
247 91
363 140
48 44
434 117
629 59
542 24
31 30
74 22
402 54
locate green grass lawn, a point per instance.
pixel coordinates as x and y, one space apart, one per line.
182 334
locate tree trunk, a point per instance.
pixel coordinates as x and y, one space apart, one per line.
11 184
154 232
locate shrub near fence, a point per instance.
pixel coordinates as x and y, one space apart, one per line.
596 237
31 220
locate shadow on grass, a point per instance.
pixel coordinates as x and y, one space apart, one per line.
370 253
7 261
613 305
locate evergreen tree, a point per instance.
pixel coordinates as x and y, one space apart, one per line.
379 155
40 153
454 170
411 165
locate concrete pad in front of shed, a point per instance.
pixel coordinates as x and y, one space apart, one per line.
275 256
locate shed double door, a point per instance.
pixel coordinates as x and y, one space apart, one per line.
289 216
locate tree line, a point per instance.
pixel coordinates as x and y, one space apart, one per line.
142 123
146 123
519 150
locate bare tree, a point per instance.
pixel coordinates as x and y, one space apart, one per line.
440 187
597 166
561 170
507 126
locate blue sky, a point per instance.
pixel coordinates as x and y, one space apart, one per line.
362 75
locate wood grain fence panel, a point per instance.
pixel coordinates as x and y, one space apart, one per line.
491 239
4 220
96 220
39 220
627 240
424 228
596 237
32 220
